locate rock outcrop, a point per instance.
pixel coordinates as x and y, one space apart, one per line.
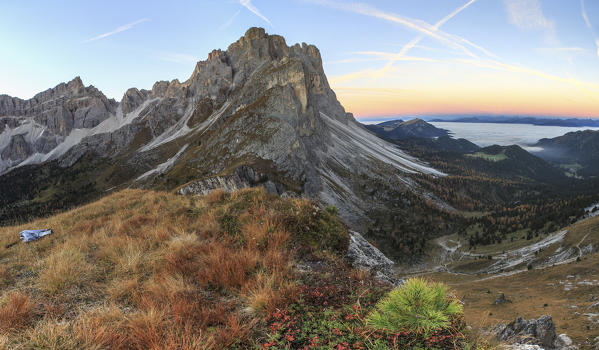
242 177
501 299
363 255
540 332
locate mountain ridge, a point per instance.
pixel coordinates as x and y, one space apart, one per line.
259 104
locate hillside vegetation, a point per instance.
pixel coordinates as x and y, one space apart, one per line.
153 270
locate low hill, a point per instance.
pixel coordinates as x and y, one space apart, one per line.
576 152
514 161
399 129
443 143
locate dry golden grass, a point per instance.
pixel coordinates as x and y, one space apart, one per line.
64 268
16 312
152 270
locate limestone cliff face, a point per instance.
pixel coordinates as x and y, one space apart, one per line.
63 108
260 104
39 124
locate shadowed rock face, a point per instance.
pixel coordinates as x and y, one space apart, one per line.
260 104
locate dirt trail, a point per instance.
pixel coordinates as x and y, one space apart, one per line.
505 263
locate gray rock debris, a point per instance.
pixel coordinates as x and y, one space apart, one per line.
520 347
363 255
539 331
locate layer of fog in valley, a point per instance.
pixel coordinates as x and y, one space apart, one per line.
487 134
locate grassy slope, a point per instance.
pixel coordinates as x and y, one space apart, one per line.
153 270
142 269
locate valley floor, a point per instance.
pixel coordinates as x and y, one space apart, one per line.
568 292
556 274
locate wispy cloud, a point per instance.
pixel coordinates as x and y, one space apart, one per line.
177 58
417 25
591 89
372 56
528 14
228 23
248 5
410 45
585 16
488 61
589 25
563 49
117 30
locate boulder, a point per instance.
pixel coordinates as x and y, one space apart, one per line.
539 332
363 255
501 299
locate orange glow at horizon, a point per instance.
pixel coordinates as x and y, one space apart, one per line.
450 88
362 103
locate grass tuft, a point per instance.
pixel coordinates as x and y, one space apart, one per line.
16 312
418 306
66 267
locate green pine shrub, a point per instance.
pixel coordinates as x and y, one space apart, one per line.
418 306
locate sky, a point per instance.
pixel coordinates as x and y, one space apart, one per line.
384 58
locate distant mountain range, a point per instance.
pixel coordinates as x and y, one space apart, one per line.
566 122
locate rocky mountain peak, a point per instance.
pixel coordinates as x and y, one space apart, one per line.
75 87
254 33
260 103
132 99
217 55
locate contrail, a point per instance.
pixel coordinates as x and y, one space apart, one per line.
248 4
117 30
416 40
588 23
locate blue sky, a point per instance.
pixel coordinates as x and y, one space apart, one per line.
383 58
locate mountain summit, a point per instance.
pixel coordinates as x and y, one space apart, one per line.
261 108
